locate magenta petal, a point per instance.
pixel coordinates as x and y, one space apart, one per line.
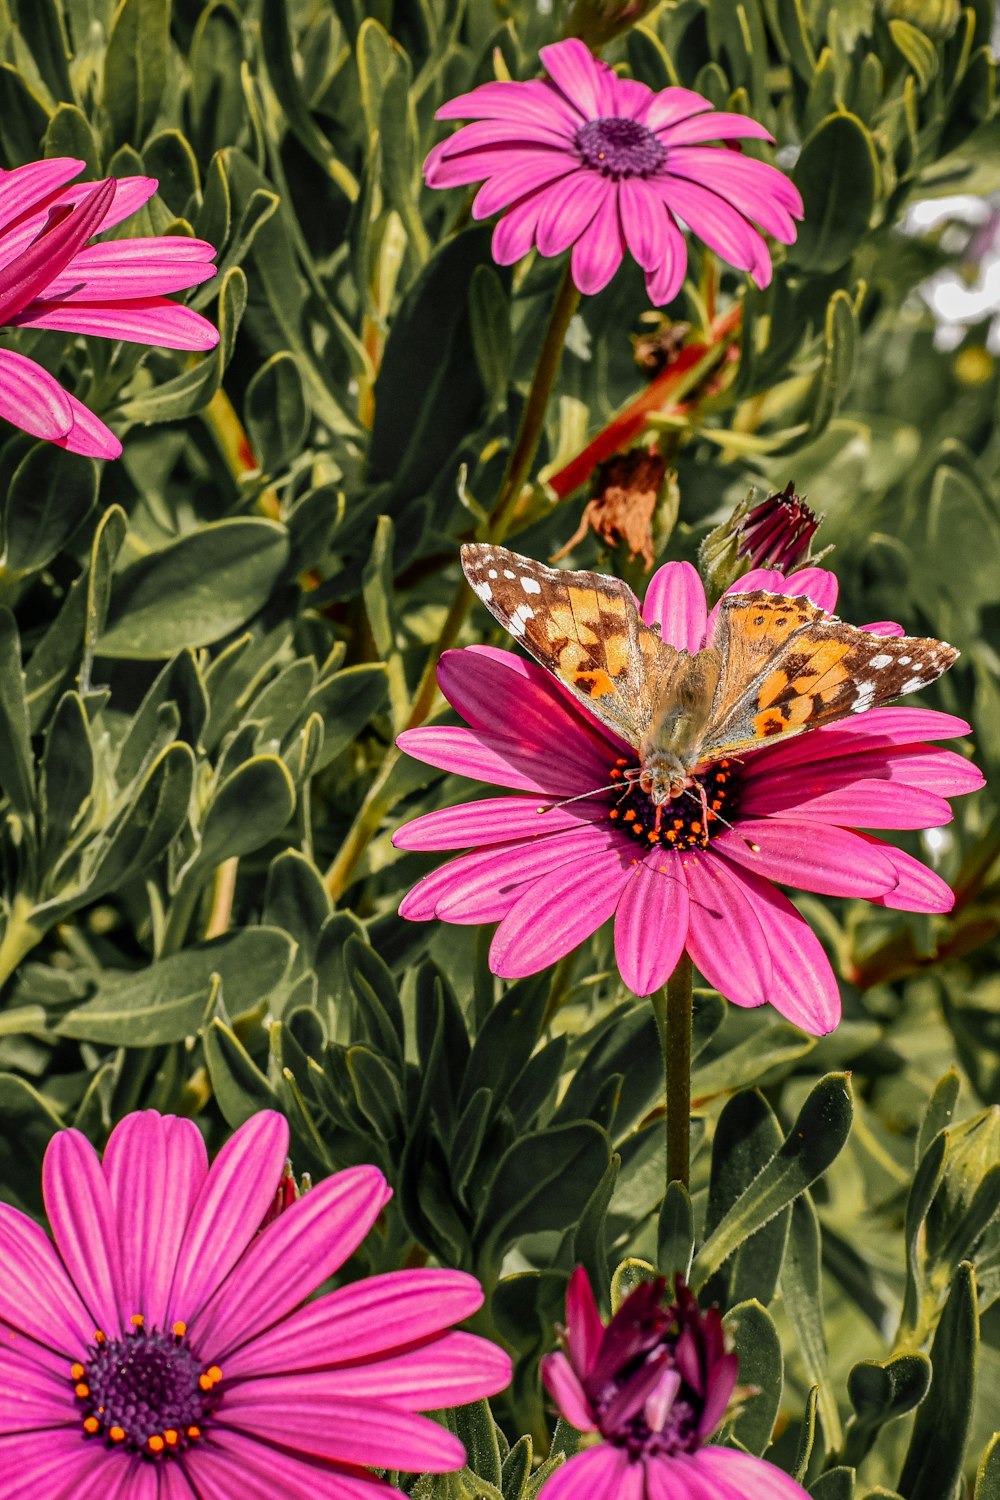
651 923
599 1473
536 100
130 194
675 600
750 1478
144 320
834 862
713 220
515 233
559 910
296 1411
62 1466
300 1249
644 222
568 208
84 1225
526 671
23 187
487 891
36 1296
361 1320
228 1211
877 728
819 585
861 803
725 937
803 985
735 179
566 1391
96 282
715 125
663 283
494 820
598 252
632 98
238 1465
883 627
917 888
671 105
31 1396
88 434
579 76
154 1166
504 188
680 1479
500 759
32 399
62 236
584 1329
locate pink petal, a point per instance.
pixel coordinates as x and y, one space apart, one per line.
88 434
536 100
598 252
558 911
721 227
487 139
506 187
884 627
672 105
834 862
500 759
154 1166
580 77
84 1227
725 937
527 671
631 98
567 1392
803 988
130 194
297 1412
364 1319
61 1467
877 728
644 222
663 284
123 269
228 1211
515 233
819 585
32 399
37 1297
569 208
599 1473
27 274
675 600
651 923
22 188
679 1479
734 179
32 1397
917 887
236 1464
584 1329
864 804
495 820
716 125
144 320
306 1244
750 1478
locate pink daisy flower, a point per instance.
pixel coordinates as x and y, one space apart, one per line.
51 277
652 1386
160 1349
552 881
586 159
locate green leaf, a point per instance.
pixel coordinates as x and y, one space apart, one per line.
44 31
196 589
49 496
135 68
69 133
807 1436
675 1236
988 1474
276 412
240 1088
833 379
543 1182
67 775
746 1138
755 1341
346 702
940 1109
489 310
377 1091
837 175
475 1427
16 761
936 1454
802 1294
165 1002
27 1124
24 119
168 156
754 1059
505 1042
261 783
194 387
918 50
835 1484
296 900
882 1391
814 1141
276 53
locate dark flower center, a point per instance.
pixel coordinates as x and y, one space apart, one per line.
147 1392
688 822
619 147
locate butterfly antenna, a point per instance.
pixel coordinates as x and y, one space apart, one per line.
594 792
703 804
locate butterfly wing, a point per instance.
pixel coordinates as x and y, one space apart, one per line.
584 628
789 667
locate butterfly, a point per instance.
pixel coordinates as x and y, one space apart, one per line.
774 664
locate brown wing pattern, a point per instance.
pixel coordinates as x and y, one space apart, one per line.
821 671
583 627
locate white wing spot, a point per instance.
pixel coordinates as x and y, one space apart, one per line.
483 590
904 661
493 573
865 698
882 660
519 619
508 574
531 585
913 684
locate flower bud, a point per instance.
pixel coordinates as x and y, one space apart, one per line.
597 21
937 19
772 533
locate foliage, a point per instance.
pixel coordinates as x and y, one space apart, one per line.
209 647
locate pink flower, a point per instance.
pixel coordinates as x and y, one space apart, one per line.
654 1385
161 1349
552 880
602 163
50 277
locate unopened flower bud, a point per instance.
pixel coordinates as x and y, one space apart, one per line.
288 1192
937 19
634 502
772 533
597 21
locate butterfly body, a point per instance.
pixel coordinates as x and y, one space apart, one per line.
774 665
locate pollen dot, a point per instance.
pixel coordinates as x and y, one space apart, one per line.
180 1329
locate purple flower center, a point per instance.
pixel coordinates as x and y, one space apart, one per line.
147 1392
618 147
689 821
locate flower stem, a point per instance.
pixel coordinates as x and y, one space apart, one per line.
672 1008
379 796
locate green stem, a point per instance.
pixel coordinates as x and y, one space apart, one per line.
378 799
19 937
672 1008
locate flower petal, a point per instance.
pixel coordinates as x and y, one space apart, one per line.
569 208
580 77
154 1166
236 1464
228 1211
715 221
725 937
558 911
861 803
494 820
663 284
23 187
675 600
644 221
500 759
751 1478
535 99
876 728
361 1321
566 1391
62 1467
88 434
598 252
834 862
515 233
37 1297
584 1329
651 923
121 269
32 1397
504 188
32 399
599 1473
917 888
741 182
819 585
669 106
64 233
302 1247
883 627
714 125
142 320
84 1226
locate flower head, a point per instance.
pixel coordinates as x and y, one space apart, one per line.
652 1387
161 1345
552 871
772 533
51 276
586 159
